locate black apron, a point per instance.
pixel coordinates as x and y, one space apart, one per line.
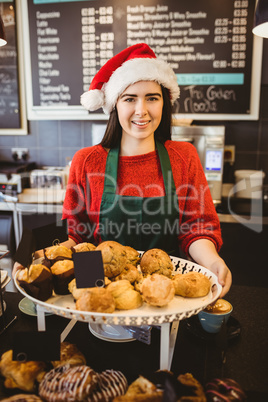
140 222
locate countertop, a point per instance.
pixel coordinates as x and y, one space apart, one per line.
199 354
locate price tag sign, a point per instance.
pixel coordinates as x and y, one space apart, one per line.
38 238
88 269
36 345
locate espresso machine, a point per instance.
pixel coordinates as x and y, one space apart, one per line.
209 142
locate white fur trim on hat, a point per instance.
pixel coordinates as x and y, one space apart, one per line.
92 100
139 69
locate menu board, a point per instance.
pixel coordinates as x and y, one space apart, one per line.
209 45
11 110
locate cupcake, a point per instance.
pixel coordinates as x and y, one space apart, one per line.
63 274
36 281
56 253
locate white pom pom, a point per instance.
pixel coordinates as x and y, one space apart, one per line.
92 100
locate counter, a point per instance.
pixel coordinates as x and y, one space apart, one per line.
246 354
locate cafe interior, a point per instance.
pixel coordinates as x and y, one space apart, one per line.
151 353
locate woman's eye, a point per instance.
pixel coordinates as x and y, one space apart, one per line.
129 99
152 98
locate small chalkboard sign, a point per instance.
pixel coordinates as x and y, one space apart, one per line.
35 346
88 269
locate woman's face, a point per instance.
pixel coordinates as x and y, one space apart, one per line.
139 109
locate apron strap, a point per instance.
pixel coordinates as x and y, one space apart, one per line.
110 180
166 168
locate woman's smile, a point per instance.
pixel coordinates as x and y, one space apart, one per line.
141 123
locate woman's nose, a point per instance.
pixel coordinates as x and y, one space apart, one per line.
141 108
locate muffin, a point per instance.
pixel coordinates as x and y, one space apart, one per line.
130 273
133 256
114 258
56 253
37 281
156 261
78 248
62 274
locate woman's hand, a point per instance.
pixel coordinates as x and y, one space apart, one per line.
203 252
16 267
219 268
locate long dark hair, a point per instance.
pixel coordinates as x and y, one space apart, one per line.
113 132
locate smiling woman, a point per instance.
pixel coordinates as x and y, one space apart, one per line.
137 187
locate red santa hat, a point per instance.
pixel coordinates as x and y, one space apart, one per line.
135 63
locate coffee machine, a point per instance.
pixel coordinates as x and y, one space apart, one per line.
209 142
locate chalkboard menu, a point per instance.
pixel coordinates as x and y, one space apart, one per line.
12 119
208 43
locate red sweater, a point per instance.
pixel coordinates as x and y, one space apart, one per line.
141 176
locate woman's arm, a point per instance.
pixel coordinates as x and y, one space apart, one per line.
39 253
203 252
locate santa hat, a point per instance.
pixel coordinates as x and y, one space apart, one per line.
135 63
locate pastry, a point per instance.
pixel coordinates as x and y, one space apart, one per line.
114 258
124 294
133 256
63 273
130 272
225 389
156 261
157 290
22 398
66 383
191 284
192 385
96 299
76 292
83 247
57 252
110 384
22 375
69 354
137 284
36 281
141 390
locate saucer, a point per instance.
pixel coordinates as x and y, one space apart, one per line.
110 333
194 327
26 306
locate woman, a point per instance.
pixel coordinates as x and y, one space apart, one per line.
138 187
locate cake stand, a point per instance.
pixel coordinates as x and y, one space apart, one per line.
167 317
